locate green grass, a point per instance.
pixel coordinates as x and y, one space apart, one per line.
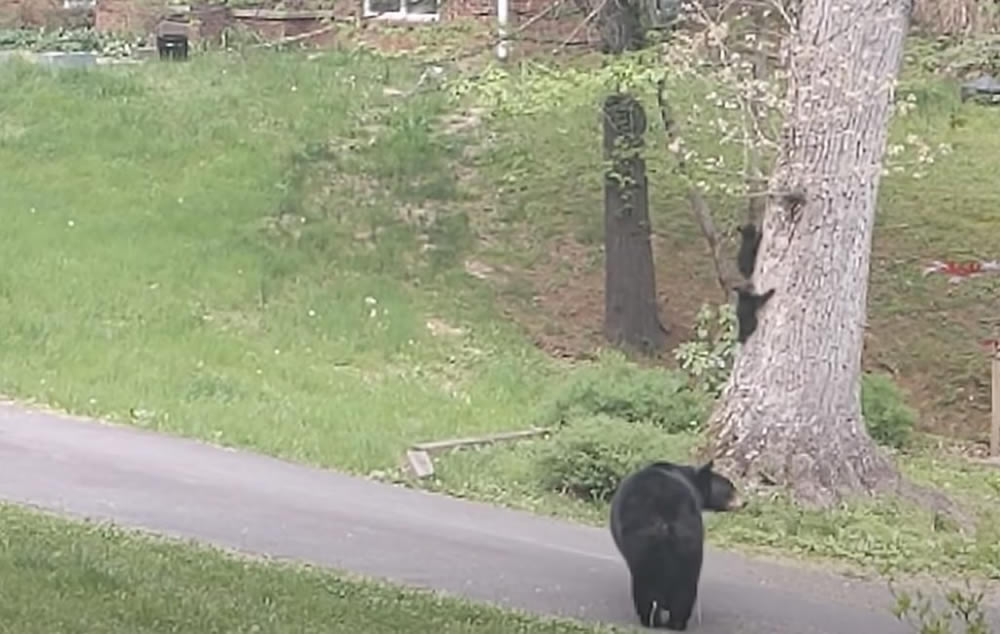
180 242
67 577
248 248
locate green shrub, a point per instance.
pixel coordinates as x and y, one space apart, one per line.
626 391
708 357
588 458
889 419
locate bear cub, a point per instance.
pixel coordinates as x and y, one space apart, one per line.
657 526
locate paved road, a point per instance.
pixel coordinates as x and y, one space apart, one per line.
262 505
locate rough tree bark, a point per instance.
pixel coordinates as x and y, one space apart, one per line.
621 27
791 412
630 308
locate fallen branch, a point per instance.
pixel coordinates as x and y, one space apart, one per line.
291 39
579 26
418 456
438 445
538 16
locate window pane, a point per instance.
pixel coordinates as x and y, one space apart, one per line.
421 6
384 6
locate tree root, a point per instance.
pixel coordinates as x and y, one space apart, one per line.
939 503
874 475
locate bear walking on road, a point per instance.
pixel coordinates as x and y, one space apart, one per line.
657 526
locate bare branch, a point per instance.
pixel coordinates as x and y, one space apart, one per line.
752 106
585 22
699 207
752 111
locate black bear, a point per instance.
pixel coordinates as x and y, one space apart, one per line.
746 259
747 305
657 526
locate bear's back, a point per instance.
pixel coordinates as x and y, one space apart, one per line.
652 504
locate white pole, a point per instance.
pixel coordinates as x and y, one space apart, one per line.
503 17
995 419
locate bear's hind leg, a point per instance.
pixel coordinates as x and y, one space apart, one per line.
681 606
647 608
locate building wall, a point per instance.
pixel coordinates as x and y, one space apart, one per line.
208 23
469 8
10 13
133 17
42 13
141 16
549 30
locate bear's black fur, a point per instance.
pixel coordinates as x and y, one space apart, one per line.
746 259
747 305
721 495
657 526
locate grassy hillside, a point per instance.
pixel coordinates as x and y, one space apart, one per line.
171 257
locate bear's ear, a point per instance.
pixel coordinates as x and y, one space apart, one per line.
707 467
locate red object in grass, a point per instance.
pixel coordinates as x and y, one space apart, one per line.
957 271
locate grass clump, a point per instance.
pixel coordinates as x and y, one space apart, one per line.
588 458
617 388
889 419
69 577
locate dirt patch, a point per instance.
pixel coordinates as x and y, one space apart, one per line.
951 395
560 301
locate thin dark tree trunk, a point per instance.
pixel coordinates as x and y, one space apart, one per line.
630 306
621 27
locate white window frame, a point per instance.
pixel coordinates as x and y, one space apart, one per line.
403 14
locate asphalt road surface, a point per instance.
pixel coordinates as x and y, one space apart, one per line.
261 505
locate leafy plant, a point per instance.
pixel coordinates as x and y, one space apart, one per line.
964 609
708 358
67 40
618 388
890 421
589 458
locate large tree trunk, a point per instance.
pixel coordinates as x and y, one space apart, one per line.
791 413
